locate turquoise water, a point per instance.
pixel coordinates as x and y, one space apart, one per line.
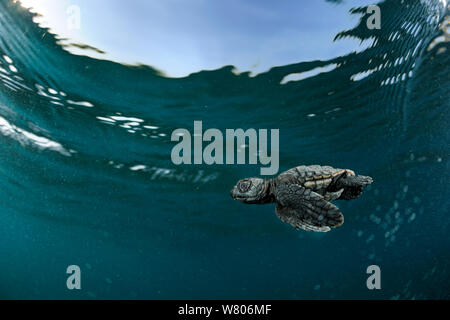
86 176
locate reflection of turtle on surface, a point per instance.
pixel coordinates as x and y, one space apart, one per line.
303 193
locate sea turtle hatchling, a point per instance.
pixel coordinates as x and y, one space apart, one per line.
302 195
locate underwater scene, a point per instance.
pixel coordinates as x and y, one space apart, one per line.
92 92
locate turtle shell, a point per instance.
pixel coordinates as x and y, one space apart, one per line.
315 177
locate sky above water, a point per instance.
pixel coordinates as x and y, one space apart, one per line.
181 37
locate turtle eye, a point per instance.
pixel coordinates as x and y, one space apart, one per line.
245 185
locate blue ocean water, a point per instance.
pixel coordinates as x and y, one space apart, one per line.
86 176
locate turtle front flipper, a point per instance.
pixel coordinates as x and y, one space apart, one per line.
305 209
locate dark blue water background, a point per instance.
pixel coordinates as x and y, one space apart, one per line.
86 176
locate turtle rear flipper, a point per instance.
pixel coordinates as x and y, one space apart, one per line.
305 209
353 186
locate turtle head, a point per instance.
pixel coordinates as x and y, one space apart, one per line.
251 190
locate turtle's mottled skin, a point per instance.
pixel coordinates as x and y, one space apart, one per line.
302 194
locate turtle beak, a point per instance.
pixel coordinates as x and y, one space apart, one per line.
232 192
